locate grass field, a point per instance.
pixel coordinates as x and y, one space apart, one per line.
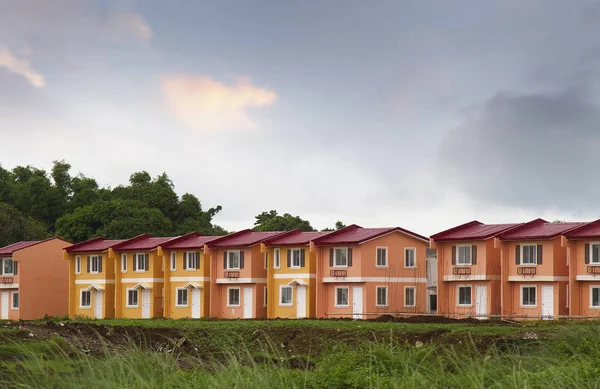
298 354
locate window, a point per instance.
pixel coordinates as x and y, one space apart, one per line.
266 260
7 267
233 260
295 260
464 295
382 296
192 261
528 254
78 265
286 295
233 297
382 260
409 296
141 262
341 296
276 259
15 300
94 264
528 296
182 297
463 255
595 297
124 263
595 254
86 299
265 296
173 261
132 297
409 258
341 257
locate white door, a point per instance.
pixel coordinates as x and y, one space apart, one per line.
146 295
357 302
547 302
481 301
301 302
196 293
4 306
247 303
98 304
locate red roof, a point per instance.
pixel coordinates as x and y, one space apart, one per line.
143 243
189 241
474 230
295 237
354 234
93 245
539 229
588 230
243 238
11 248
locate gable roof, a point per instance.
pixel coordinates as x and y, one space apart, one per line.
355 234
539 229
474 230
192 240
11 248
588 230
142 242
295 237
93 245
244 238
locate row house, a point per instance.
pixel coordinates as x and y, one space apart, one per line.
33 280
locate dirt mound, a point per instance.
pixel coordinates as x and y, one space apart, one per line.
433 320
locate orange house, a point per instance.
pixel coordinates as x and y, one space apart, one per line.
370 271
583 256
535 275
34 280
469 272
238 275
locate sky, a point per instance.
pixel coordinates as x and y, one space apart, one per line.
420 114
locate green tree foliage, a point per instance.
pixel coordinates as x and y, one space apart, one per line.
338 226
271 221
14 226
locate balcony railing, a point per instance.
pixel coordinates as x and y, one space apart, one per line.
232 274
526 271
338 273
461 271
594 270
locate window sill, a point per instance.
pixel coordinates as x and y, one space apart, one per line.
132 306
410 267
381 306
341 306
80 307
276 268
141 271
528 306
598 307
295 267
528 265
463 264
124 271
409 306
14 309
340 266
381 267
181 306
233 268
286 305
464 305
94 272
233 306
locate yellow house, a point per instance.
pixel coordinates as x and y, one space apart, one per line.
139 281
187 277
291 274
92 278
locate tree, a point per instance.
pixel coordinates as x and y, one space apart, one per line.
271 221
15 227
338 226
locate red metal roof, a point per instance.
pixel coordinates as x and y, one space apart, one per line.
243 238
189 241
11 248
296 237
354 234
539 229
93 245
142 243
588 230
474 230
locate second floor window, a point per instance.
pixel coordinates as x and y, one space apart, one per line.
141 262
381 257
173 261
192 260
276 259
595 257
296 258
409 258
94 264
341 257
123 263
529 254
78 265
463 254
233 260
7 267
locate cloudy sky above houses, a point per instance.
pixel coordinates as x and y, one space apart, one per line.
422 114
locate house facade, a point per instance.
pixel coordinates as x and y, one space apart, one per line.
364 272
24 266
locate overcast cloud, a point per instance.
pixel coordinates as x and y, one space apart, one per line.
419 114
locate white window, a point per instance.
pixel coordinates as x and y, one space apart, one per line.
341 257
382 259
265 296
595 296
233 295
463 255
94 264
7 267
410 296
173 261
295 260
595 253
382 300
140 262
528 296
529 254
132 298
286 295
341 296
233 260
464 295
276 258
15 300
409 257
86 299
78 265
182 297
124 263
191 260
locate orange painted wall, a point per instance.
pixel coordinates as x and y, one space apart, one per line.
171 309
580 292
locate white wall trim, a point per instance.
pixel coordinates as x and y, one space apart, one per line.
294 275
473 277
9 286
92 281
587 278
181 279
140 280
375 279
538 278
241 280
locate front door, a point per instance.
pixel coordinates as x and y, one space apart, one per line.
301 302
4 306
547 302
481 301
357 302
98 304
196 293
247 303
146 303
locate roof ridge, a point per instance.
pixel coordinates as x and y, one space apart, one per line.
458 228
